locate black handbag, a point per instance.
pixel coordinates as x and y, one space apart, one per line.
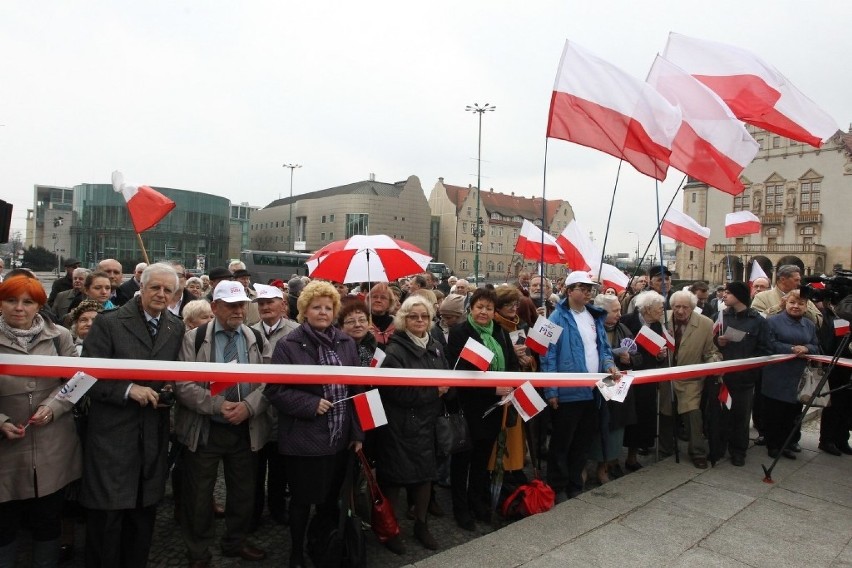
452 433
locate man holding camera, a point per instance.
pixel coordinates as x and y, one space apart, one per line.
127 439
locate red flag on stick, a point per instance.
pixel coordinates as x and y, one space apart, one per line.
740 223
146 206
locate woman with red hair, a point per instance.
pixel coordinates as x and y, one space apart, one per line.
38 439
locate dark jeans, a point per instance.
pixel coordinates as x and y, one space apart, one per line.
470 479
735 422
230 445
272 486
780 418
41 515
119 538
757 409
574 424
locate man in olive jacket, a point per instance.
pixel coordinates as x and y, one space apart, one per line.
227 426
124 465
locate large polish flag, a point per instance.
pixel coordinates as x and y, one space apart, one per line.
612 277
146 206
476 354
754 90
529 245
740 223
370 410
579 250
527 401
650 340
683 228
711 144
757 272
598 105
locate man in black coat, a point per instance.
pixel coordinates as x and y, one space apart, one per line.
129 288
64 283
124 466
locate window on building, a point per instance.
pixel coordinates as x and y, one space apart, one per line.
357 224
808 231
514 234
774 198
499 267
489 266
690 255
331 218
809 196
499 231
323 219
776 141
807 240
322 235
469 212
741 202
464 244
331 236
301 228
772 232
499 248
464 265
464 226
694 194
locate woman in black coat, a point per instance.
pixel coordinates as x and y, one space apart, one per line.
405 450
469 470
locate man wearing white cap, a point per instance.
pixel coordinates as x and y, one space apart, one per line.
274 325
230 426
582 348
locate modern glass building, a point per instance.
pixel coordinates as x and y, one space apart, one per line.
195 232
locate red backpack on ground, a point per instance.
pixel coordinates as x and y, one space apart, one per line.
528 499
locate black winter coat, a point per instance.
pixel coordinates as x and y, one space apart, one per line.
405 450
475 401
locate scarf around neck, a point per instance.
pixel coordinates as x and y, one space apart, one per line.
325 341
23 337
498 363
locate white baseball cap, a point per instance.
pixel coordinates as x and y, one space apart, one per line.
579 277
265 292
230 291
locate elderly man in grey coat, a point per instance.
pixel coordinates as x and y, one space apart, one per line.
124 466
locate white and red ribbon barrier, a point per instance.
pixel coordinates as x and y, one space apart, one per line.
142 370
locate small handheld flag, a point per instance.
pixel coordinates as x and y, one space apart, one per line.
371 412
542 335
650 340
378 358
527 401
476 354
725 396
841 327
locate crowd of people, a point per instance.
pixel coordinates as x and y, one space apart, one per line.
286 446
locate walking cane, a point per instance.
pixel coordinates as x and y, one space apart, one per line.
840 349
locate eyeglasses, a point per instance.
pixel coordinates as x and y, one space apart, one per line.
359 321
376 297
512 305
415 317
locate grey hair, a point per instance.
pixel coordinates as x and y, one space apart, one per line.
158 268
787 270
195 308
141 266
81 271
648 299
684 295
194 280
407 306
604 301
236 265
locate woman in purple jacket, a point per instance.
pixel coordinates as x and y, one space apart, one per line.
314 433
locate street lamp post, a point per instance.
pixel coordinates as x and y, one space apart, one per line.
637 244
290 222
479 110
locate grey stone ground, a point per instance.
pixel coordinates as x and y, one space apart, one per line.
667 514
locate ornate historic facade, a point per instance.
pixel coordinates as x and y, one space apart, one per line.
803 196
454 223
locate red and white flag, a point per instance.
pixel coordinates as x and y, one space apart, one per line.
371 412
579 250
670 340
754 90
612 277
841 327
527 401
740 223
756 272
711 145
683 228
650 340
541 335
529 245
598 105
725 396
378 358
146 206
476 354
217 387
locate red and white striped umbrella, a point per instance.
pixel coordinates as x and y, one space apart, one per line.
367 258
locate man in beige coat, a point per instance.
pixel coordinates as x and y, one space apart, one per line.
228 427
693 334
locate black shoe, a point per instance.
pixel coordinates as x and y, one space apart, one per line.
644 451
395 545
738 460
845 448
465 521
789 454
760 441
796 447
66 552
434 509
421 533
631 467
830 448
773 453
615 471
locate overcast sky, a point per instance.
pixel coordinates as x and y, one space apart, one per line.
215 96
